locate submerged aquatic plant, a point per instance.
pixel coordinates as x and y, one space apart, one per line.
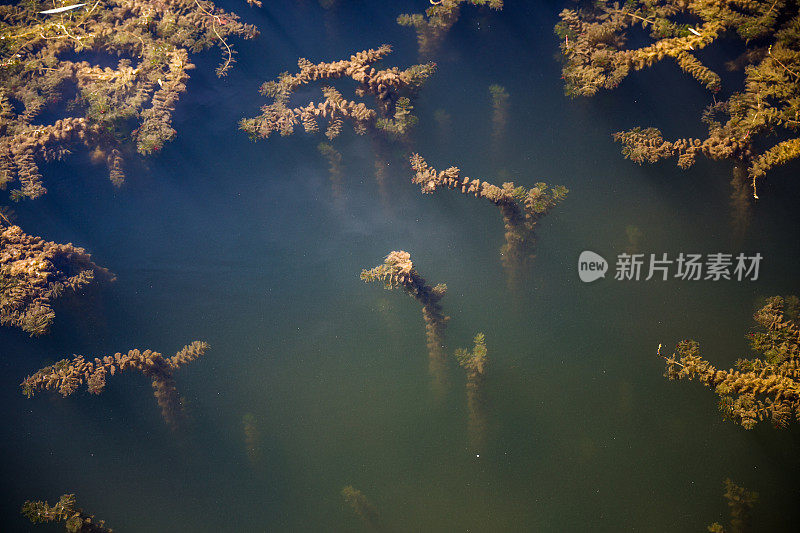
50 67
521 208
741 502
444 124
367 512
75 519
34 272
334 159
397 270
474 363
388 120
500 98
758 388
433 25
67 375
252 438
594 44
391 89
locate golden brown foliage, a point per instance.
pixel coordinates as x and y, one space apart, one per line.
47 59
33 272
521 208
593 44
397 270
740 502
759 388
474 363
391 89
67 375
432 27
75 519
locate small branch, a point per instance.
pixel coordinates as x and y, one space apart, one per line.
216 18
769 51
636 16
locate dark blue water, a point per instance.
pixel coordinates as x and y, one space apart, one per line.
246 246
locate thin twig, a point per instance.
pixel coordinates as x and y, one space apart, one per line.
636 16
769 51
213 27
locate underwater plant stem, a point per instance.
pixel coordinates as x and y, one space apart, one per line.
214 28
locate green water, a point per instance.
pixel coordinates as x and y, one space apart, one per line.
245 245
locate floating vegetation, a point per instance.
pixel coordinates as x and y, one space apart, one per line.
397 270
392 89
435 23
67 375
34 272
594 46
48 68
389 119
75 519
521 208
741 502
759 388
474 363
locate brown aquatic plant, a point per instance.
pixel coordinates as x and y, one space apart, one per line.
365 510
75 519
594 45
740 205
741 502
384 110
396 271
444 125
634 235
7 216
50 65
474 364
521 208
381 164
252 438
500 98
34 272
334 159
433 25
391 89
67 375
766 387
